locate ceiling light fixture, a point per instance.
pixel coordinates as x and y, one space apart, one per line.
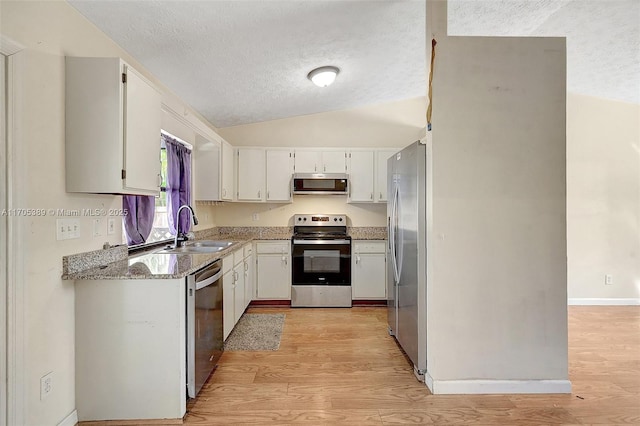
323 76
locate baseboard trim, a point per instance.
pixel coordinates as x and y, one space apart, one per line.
267 303
458 387
369 302
598 301
70 420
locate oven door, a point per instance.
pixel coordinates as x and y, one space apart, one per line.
321 262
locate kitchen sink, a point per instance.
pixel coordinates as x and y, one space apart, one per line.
197 247
208 243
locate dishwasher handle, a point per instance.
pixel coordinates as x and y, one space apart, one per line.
208 276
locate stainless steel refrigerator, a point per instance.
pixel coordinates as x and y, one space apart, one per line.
406 251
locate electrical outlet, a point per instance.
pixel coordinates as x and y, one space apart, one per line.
255 217
46 386
97 227
608 279
111 226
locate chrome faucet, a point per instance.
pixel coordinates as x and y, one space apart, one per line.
194 221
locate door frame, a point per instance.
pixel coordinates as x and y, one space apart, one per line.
12 282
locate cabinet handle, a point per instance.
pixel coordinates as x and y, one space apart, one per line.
324 168
371 196
357 259
284 259
258 194
159 180
246 266
224 192
381 195
268 195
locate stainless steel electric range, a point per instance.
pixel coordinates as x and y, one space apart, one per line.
321 265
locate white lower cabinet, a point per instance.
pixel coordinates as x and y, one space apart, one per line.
273 271
368 270
249 282
237 286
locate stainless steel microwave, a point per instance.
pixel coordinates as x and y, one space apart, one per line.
320 183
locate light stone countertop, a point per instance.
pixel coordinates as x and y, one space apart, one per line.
115 263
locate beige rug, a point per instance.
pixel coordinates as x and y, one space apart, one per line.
256 332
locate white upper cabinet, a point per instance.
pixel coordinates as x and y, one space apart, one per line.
334 161
320 161
361 176
113 120
251 174
227 166
206 163
279 172
381 173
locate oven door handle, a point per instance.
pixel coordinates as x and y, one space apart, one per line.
347 242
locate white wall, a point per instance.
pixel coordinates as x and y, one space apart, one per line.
50 30
387 124
603 198
240 214
497 289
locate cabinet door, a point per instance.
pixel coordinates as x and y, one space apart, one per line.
279 171
251 174
142 122
308 161
228 303
273 276
207 172
238 288
361 176
382 157
368 276
249 287
227 166
334 162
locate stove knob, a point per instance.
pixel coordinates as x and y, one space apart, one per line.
340 219
305 219
335 219
299 218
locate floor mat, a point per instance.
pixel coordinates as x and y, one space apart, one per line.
256 332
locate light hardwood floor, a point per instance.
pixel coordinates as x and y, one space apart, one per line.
340 366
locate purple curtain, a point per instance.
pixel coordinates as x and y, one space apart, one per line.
139 219
178 183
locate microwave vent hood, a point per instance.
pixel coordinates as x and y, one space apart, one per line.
320 183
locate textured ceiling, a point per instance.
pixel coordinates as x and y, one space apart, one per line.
603 37
239 62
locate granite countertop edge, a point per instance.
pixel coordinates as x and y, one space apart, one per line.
186 264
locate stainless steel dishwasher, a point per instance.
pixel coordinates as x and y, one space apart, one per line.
204 325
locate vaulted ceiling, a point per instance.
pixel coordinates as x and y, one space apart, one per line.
239 62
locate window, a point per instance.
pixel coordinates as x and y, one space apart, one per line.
160 227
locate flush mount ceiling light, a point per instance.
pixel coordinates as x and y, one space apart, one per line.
323 76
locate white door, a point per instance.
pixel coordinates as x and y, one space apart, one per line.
142 123
334 162
382 157
238 288
227 166
227 303
308 161
273 275
361 176
279 172
251 165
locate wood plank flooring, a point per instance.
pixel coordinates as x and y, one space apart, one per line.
340 367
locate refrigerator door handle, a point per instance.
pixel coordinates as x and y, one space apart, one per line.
394 228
